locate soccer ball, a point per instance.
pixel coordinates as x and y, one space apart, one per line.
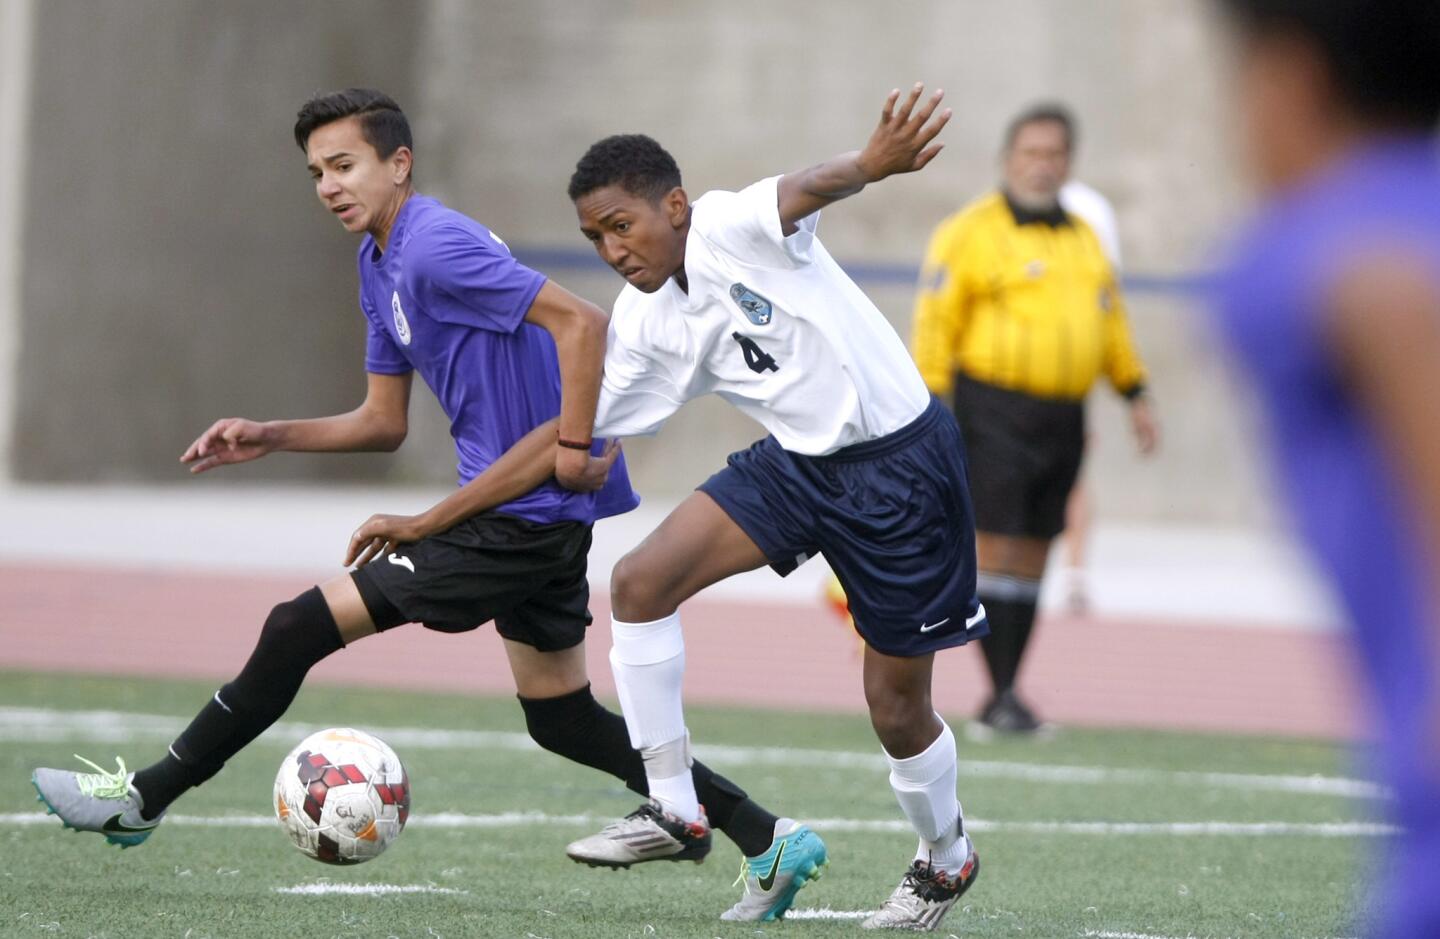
342 796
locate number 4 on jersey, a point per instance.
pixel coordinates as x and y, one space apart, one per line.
756 358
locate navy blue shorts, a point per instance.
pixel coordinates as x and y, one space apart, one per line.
892 516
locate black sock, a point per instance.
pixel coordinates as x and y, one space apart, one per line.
578 728
295 636
996 646
1023 623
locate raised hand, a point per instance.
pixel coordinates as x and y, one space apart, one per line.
902 141
229 440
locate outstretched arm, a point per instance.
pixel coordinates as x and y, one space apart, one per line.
520 469
379 423
900 144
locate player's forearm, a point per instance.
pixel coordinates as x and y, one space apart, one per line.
807 191
836 178
580 347
519 470
356 431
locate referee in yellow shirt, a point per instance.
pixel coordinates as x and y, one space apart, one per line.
1018 314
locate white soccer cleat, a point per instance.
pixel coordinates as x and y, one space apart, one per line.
924 896
646 834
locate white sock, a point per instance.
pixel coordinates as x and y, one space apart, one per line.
924 785
648 661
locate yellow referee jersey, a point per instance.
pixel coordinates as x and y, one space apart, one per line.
1030 307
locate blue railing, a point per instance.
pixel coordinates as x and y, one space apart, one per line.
879 273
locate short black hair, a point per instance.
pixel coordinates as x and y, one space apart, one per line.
382 122
634 162
1045 112
1383 55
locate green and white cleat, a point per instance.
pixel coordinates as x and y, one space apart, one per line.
100 802
796 857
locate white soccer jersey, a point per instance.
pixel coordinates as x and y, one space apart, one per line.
771 324
1092 206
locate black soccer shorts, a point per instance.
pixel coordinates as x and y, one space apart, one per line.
530 578
1025 455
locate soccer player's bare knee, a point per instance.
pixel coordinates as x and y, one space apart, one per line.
641 591
904 723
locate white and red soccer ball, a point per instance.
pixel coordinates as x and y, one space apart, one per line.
342 796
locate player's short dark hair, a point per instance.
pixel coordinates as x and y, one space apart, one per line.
382 123
1051 112
1383 55
634 162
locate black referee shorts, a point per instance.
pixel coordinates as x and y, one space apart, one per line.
1025 455
528 577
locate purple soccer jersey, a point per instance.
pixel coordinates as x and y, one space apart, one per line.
446 299
1345 497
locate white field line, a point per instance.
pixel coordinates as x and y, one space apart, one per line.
458 820
364 890
49 726
827 913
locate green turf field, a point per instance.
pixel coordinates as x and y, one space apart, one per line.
1091 834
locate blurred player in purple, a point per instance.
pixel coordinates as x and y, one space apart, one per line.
1332 301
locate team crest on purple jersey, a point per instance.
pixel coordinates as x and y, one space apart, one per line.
402 325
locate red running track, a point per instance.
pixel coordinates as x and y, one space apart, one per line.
1093 672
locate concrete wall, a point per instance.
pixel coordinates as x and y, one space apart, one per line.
16 23
177 270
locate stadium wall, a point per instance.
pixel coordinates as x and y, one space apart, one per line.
175 269
16 19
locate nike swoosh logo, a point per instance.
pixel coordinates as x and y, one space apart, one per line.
768 880
117 827
399 560
933 626
974 621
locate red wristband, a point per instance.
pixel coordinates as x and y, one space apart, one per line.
575 444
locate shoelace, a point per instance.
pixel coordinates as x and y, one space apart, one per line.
929 884
643 812
743 879
103 784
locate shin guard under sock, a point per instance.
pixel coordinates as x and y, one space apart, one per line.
295 636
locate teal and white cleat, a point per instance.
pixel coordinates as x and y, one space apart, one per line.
796 857
100 802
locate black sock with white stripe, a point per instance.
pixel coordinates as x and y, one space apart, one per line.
295 636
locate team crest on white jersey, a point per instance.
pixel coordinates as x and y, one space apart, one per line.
402 325
755 307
